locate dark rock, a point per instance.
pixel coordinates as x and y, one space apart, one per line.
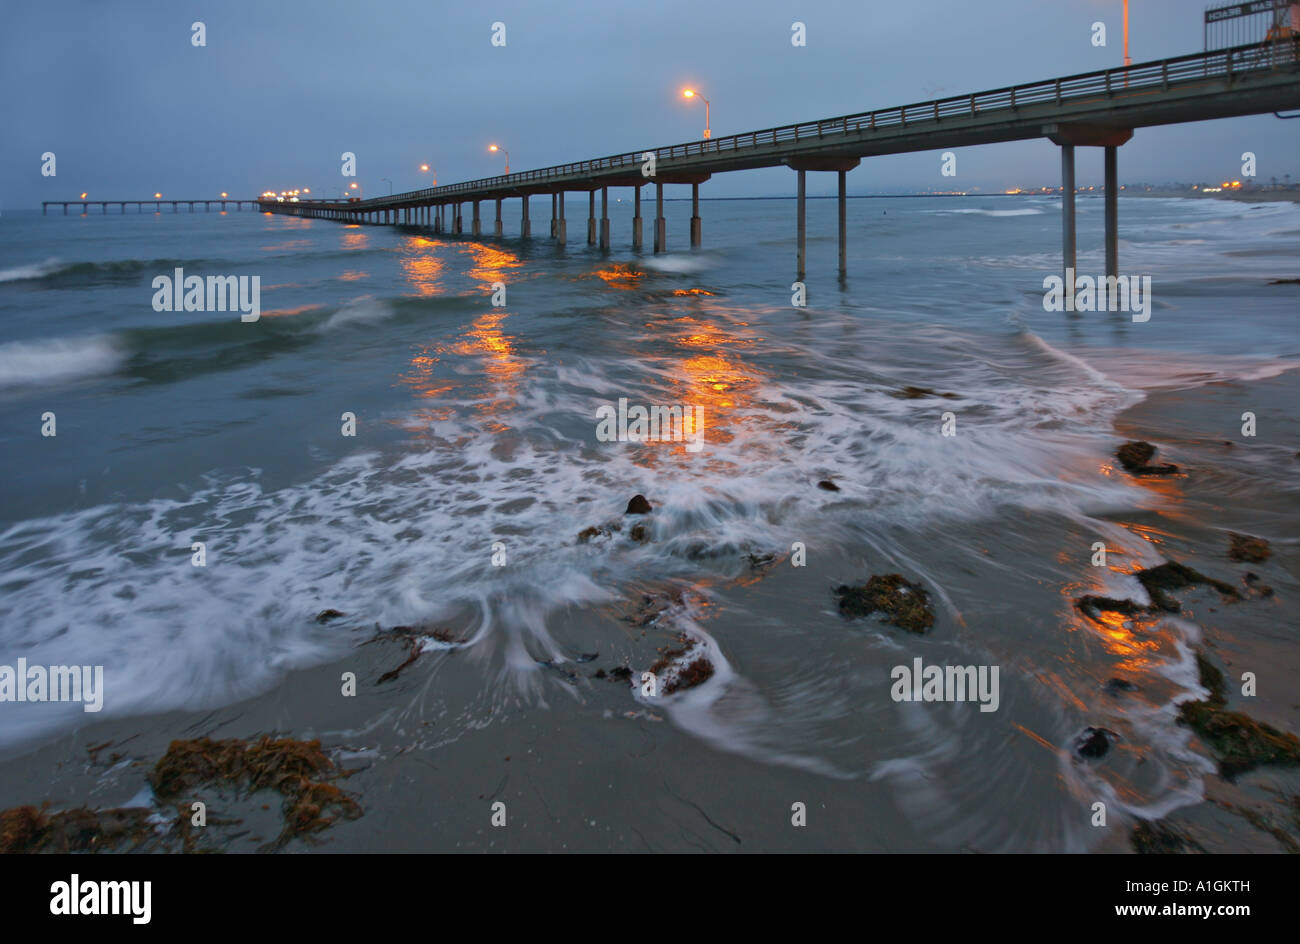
1094 742
600 674
1091 605
621 673
1253 582
1135 457
759 561
639 534
638 506
917 393
828 486
324 616
1243 547
1172 575
1160 839
905 604
1239 742
1114 685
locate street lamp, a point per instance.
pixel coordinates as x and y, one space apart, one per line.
493 148
425 168
691 93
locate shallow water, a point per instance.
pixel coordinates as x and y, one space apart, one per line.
476 433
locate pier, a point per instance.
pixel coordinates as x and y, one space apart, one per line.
141 204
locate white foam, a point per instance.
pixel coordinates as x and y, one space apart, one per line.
57 360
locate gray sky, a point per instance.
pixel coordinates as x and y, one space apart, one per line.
129 106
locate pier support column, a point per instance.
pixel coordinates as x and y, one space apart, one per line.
552 216
477 229
604 219
498 229
1068 246
525 224
844 228
591 217
696 232
636 219
437 218
460 221
801 225
661 227
1112 211
561 225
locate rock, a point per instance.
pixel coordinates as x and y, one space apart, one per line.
638 534
1094 742
1091 605
1115 685
1135 457
1239 742
638 506
828 486
1249 549
1160 839
917 393
759 561
1172 575
905 604
1252 581
621 673
324 616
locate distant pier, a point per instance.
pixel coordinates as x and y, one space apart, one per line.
141 204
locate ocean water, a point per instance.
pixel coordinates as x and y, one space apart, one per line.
476 435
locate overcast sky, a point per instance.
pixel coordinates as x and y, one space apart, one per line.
129 106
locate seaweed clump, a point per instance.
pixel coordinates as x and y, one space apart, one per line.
1240 743
1245 548
298 770
28 829
903 603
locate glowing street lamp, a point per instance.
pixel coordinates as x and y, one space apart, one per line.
425 168
493 148
83 196
691 93
224 195
157 196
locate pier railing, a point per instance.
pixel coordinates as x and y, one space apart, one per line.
1115 83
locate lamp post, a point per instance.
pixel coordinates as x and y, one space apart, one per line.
691 93
493 148
390 185
425 168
